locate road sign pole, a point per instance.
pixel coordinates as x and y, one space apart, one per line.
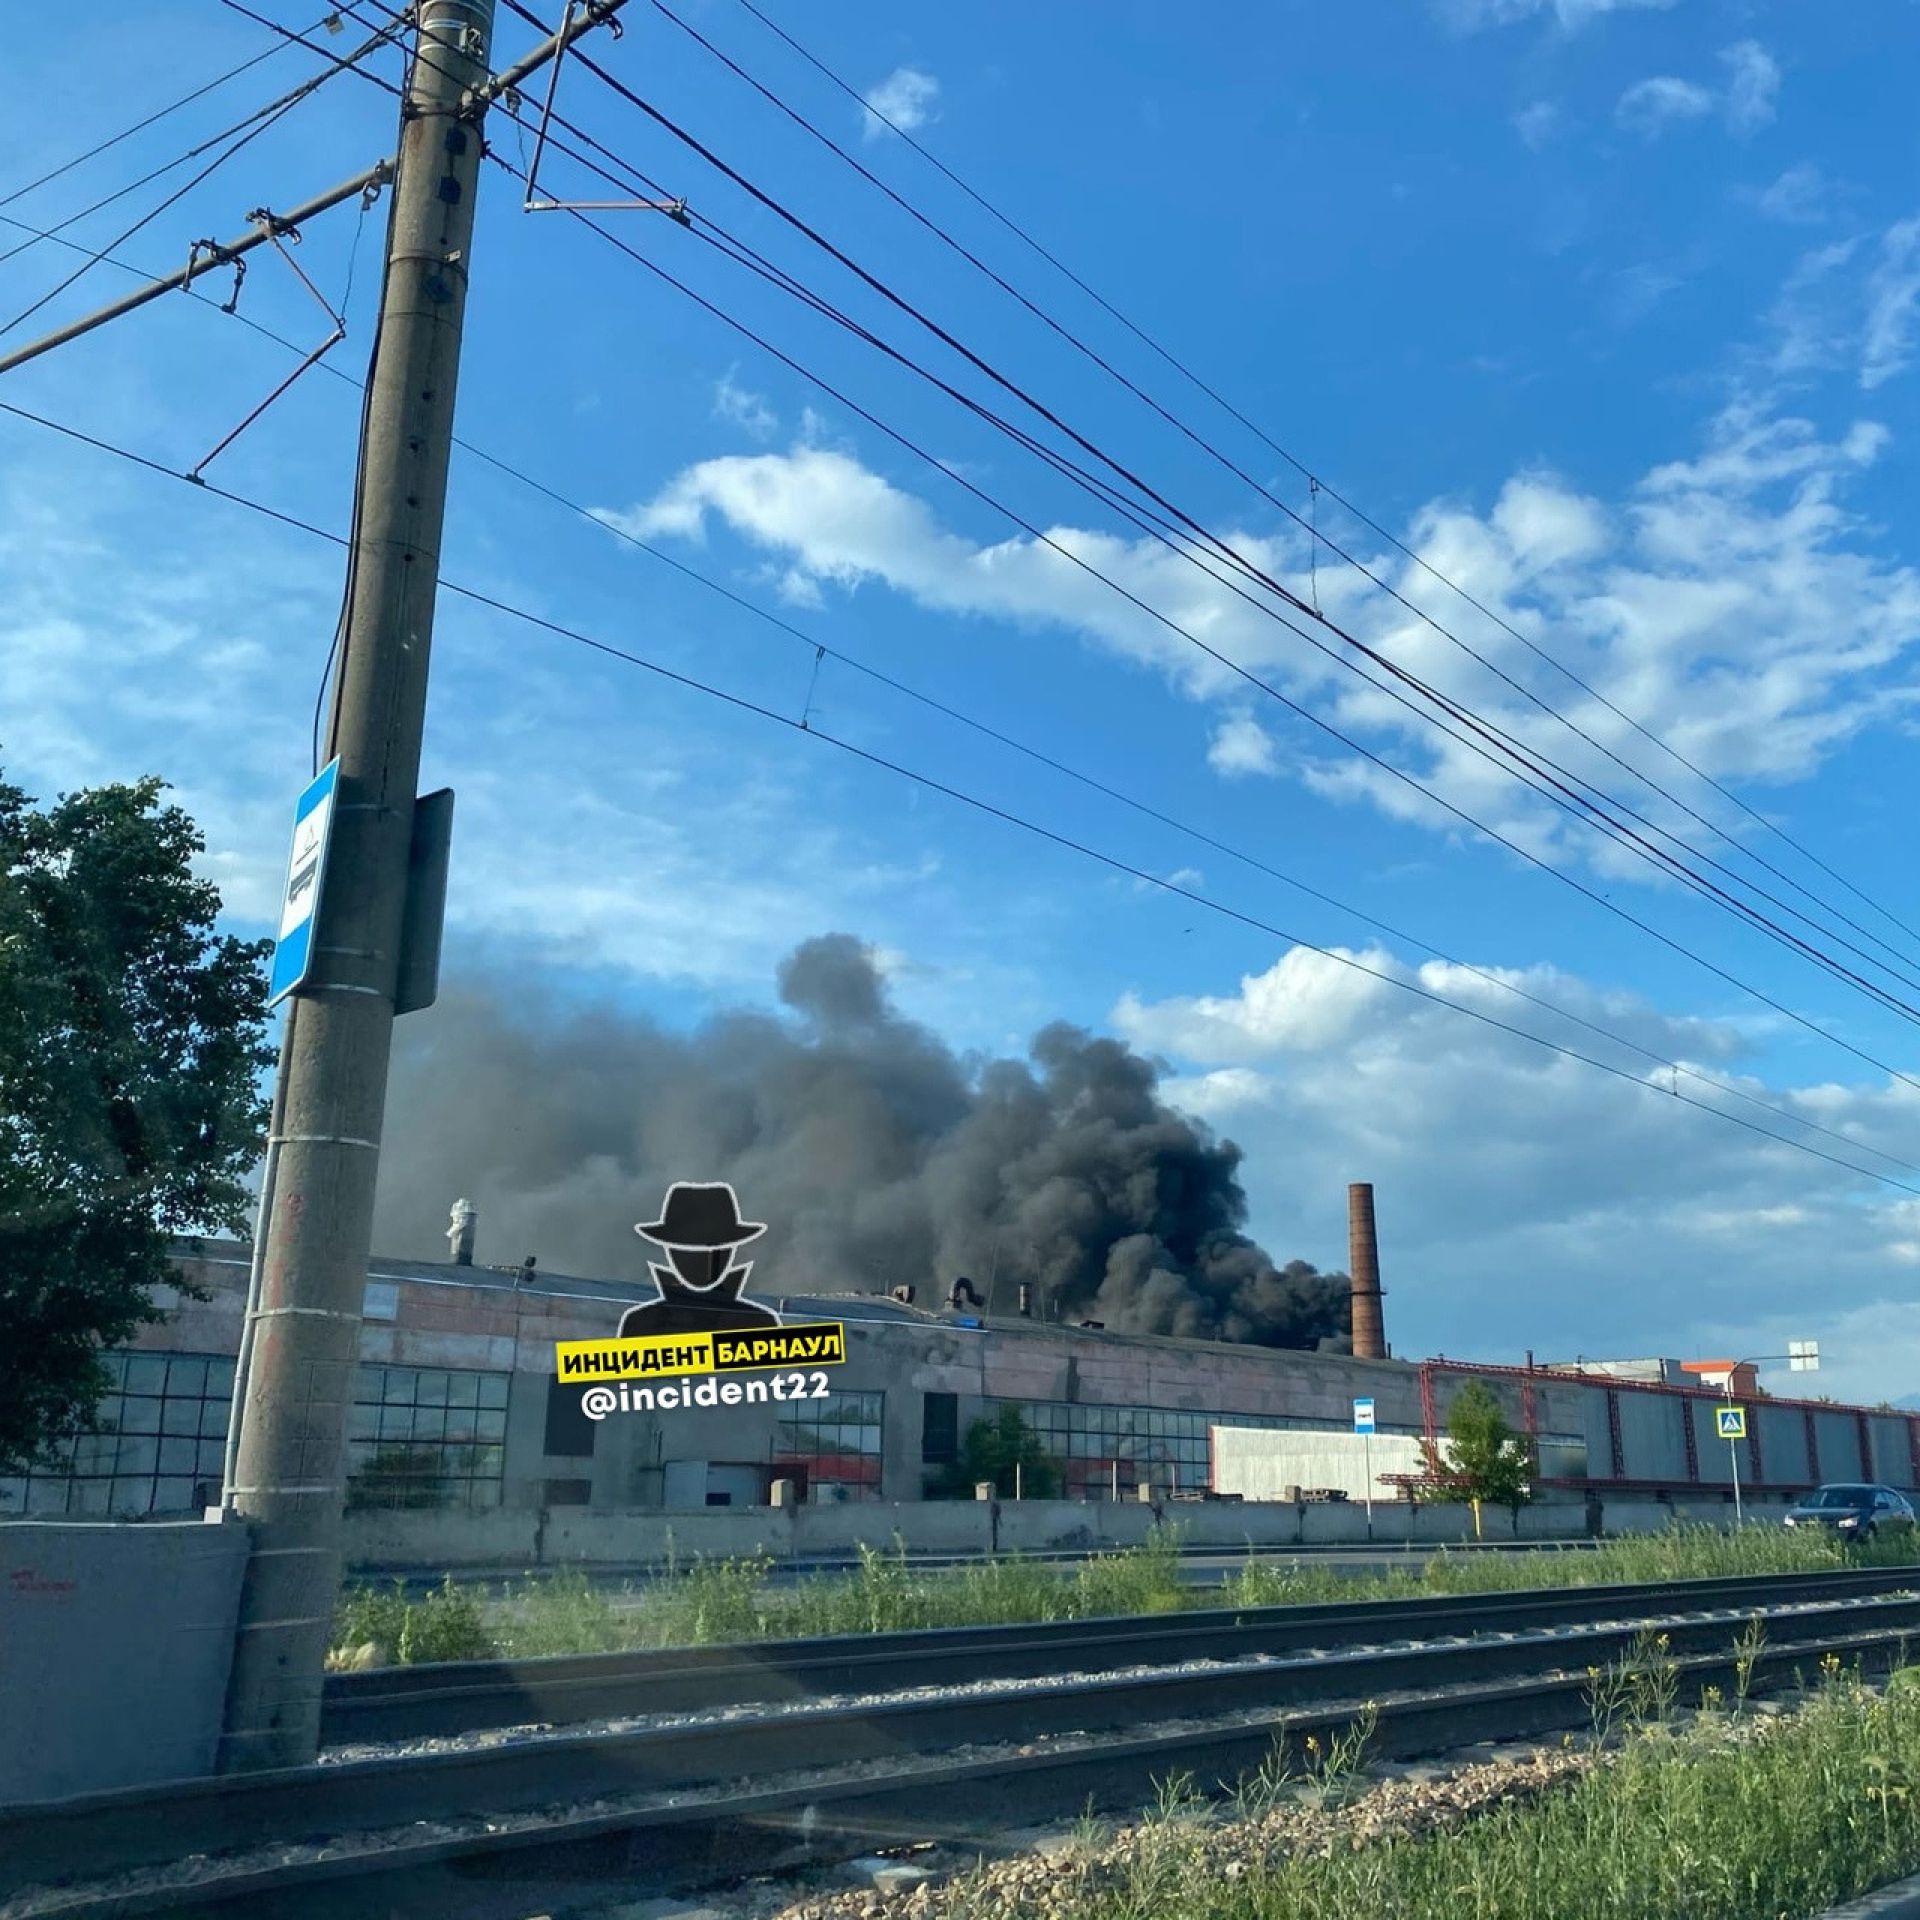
1366 1451
1733 1455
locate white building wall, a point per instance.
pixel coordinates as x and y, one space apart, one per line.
1261 1463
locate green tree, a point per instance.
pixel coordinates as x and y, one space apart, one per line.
1486 1459
130 1110
992 1449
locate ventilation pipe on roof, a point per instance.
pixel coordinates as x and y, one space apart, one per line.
460 1233
1026 1299
961 1292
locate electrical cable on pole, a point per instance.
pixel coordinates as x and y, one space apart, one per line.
1544 775
1165 354
1131 869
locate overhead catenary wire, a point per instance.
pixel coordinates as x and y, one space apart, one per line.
823 651
977 802
1534 769
1079 561
254 127
141 125
1308 524
1317 481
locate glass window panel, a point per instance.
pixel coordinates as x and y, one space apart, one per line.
146 1373
463 1389
489 1462
429 1423
366 1384
13 1495
432 1390
214 1415
138 1453
173 1496
187 1375
220 1377
90 1496
363 1423
116 1366
396 1423
180 1416
399 1387
93 1453
492 1423
132 1496
493 1389
46 1496
462 1425
212 1458
177 1456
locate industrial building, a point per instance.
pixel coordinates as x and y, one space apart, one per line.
456 1405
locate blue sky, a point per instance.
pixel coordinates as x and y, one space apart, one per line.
1607 309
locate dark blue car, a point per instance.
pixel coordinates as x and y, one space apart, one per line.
1853 1508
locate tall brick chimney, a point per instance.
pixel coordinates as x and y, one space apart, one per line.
1363 1262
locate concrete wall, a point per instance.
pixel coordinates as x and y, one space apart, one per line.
575 1536
115 1644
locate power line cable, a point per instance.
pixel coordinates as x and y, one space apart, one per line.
139 126
1306 524
1318 483
254 126
1006 815
1540 777
1160 617
1504 742
824 651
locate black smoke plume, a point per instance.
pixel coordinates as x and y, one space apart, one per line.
876 1156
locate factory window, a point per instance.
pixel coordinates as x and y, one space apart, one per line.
164 1430
426 1437
569 1431
1101 1449
837 1442
1563 1456
940 1429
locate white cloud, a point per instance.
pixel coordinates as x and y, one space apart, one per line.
1241 746
1471 16
1649 107
1753 85
906 97
1893 291
1537 124
1710 596
743 408
1746 103
1799 197
1529 1201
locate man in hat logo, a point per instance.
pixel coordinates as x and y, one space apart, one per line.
701 1229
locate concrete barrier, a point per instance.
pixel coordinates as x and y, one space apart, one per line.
115 1643
585 1537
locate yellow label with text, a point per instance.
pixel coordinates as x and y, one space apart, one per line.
818 1343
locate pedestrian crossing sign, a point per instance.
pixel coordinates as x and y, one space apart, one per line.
1732 1422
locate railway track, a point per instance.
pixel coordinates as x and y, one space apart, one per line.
712 1787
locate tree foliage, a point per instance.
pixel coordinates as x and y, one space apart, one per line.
130 1110
992 1449
1486 1459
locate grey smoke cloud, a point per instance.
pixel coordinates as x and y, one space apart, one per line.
874 1153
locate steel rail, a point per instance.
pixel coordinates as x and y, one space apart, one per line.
695 1771
429 1701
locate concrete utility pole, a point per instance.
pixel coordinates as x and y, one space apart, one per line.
287 1476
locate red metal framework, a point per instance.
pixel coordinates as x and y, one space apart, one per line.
1532 1378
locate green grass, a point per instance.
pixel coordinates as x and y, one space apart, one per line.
708 1602
1726 1820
